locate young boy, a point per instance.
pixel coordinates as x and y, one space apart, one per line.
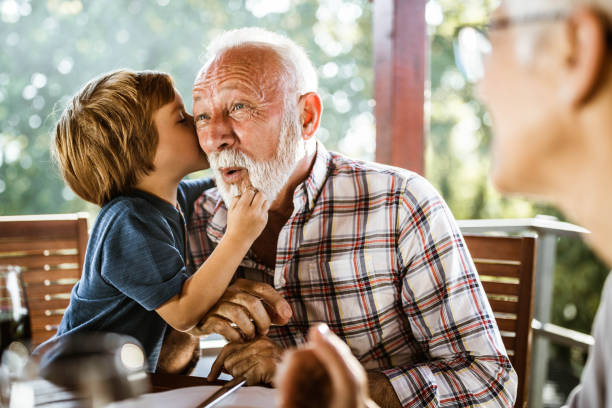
125 143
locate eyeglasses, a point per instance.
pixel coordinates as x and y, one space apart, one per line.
472 45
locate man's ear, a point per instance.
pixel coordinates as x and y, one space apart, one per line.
586 57
310 113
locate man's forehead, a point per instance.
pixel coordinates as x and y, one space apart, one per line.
245 72
250 66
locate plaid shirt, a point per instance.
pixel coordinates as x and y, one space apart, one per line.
374 252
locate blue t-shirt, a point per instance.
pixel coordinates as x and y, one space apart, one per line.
135 262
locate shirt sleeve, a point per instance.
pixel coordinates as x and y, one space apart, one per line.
142 260
465 362
596 381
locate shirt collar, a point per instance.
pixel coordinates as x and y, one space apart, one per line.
306 193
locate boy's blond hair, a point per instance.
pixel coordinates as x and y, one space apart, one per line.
106 139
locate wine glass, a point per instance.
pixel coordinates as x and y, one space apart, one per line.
14 328
14 318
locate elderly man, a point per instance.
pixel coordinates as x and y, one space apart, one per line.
372 251
548 84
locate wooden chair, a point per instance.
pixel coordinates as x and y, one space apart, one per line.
50 249
506 266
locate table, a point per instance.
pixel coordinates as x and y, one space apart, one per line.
42 393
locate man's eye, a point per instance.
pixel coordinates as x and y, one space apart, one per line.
202 116
239 106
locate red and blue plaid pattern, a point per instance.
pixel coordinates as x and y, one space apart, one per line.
374 252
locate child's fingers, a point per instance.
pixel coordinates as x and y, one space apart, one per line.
234 202
247 197
257 200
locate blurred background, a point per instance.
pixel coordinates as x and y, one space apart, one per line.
50 48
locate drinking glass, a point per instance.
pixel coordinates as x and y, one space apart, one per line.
14 318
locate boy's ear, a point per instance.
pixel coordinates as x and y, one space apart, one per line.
310 113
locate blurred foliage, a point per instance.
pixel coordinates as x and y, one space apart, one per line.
50 48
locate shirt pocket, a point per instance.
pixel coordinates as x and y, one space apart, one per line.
354 294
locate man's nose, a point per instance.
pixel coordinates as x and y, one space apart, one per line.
217 136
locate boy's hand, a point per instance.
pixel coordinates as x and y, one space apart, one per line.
247 215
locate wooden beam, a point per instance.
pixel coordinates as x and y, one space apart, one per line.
400 41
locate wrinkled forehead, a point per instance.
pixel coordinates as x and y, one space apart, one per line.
250 68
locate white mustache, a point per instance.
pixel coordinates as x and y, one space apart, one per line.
229 158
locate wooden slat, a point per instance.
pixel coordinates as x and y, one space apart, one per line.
37 246
39 291
508 325
506 248
498 288
40 276
509 342
42 305
39 261
40 227
36 314
497 269
42 322
504 306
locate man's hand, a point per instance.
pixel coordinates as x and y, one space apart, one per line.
349 383
256 361
251 306
179 354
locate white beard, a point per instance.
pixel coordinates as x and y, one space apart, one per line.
268 177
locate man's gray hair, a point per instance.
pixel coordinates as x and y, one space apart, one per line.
523 7
293 57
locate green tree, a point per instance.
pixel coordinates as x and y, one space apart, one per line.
51 48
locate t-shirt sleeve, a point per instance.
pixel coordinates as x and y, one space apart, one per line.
142 260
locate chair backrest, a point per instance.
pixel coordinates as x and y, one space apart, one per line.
506 266
50 250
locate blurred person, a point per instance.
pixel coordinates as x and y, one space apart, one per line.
371 250
548 85
125 142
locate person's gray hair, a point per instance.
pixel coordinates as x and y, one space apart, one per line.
527 42
522 7
292 56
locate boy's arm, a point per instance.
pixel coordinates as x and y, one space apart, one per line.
247 216
205 287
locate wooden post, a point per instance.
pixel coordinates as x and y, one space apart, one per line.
400 41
